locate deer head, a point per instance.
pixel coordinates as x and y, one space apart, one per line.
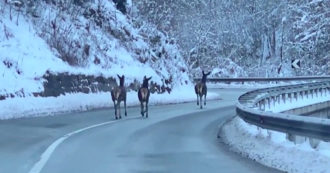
205 76
145 82
121 79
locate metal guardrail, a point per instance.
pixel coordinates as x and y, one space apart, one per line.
263 79
251 106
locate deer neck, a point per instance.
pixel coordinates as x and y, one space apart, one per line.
145 85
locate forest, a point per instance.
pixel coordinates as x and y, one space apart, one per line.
260 36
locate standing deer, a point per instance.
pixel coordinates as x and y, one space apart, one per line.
143 95
201 90
118 94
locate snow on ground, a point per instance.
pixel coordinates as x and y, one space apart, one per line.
272 149
44 106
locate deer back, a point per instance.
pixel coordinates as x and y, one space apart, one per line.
143 94
200 88
118 93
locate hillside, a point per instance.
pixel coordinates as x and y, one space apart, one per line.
92 39
262 37
43 42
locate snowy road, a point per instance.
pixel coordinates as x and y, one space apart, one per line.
176 138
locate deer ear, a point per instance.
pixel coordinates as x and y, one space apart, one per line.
118 76
203 72
149 78
123 76
208 73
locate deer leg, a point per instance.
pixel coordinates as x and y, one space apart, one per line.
125 107
200 98
205 99
115 106
119 110
147 109
197 100
142 113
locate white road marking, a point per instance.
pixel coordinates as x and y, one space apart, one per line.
37 167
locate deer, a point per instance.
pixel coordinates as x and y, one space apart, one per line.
144 95
201 90
118 94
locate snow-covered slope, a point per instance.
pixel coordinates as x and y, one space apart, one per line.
39 37
24 56
94 39
227 68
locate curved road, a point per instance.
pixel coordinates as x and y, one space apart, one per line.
176 138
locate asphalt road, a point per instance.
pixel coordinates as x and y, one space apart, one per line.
175 138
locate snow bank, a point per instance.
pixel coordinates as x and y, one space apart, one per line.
272 149
44 106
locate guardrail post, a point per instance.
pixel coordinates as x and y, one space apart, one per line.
295 138
290 137
283 98
311 92
273 100
268 100
325 91
328 111
314 142
295 95
290 96
321 91
260 104
263 102
306 94
301 94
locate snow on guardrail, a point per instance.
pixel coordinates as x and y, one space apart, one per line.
252 106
